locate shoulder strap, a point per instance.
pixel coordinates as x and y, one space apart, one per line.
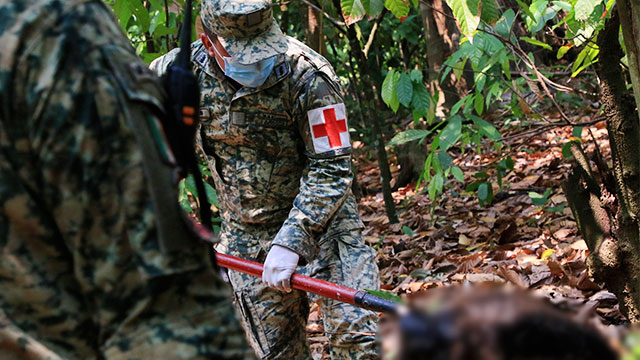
175 230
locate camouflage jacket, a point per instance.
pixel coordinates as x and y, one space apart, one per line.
81 269
267 166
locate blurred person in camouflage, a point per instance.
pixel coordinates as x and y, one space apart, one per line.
82 272
493 322
274 134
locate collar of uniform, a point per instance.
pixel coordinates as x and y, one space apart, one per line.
281 71
202 60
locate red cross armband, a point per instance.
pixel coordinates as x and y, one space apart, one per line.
329 129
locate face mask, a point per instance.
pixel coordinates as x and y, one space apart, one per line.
249 75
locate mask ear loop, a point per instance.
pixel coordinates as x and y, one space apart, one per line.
224 58
213 45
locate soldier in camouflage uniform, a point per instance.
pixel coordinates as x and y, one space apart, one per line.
82 274
279 151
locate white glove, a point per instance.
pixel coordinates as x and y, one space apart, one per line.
279 267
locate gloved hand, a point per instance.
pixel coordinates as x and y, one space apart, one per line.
279 267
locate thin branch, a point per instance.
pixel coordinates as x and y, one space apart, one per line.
335 22
372 35
546 127
166 15
513 90
540 79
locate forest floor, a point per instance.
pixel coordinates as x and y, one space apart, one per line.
512 241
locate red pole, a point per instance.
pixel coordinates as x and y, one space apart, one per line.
300 282
315 286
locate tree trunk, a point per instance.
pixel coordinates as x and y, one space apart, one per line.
609 222
370 105
383 162
313 30
629 12
442 37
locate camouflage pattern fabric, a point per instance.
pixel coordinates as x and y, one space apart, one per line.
82 275
16 345
275 322
246 29
274 188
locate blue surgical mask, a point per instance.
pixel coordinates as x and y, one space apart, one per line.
249 75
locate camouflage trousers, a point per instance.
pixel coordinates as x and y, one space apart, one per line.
275 322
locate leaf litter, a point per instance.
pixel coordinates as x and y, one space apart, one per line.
512 241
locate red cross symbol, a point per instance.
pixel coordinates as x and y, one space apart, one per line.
332 128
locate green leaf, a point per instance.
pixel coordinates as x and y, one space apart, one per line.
352 10
478 103
538 199
451 133
490 11
457 106
157 4
183 198
505 164
373 7
525 8
563 51
389 87
407 230
505 24
149 57
141 14
385 295
536 42
586 58
421 99
558 208
457 173
566 150
474 186
483 191
584 8
162 30
212 195
408 136
123 13
486 128
563 5
445 159
542 13
416 75
467 12
435 185
577 131
397 7
404 89
190 185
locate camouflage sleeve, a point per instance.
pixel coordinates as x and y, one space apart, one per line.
322 123
85 144
89 225
162 64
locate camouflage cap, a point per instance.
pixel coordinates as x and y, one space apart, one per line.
246 28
